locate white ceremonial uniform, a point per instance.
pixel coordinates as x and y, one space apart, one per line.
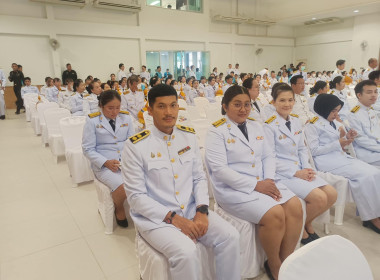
229 70
366 122
303 74
301 108
133 102
90 103
328 156
100 143
3 80
291 154
273 81
210 93
311 81
164 173
190 93
44 90
376 106
145 75
120 74
345 110
76 104
237 71
268 110
311 101
29 89
237 164
64 98
284 79
225 87
52 94
366 73
257 113
336 73
202 88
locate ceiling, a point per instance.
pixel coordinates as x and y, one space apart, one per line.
296 12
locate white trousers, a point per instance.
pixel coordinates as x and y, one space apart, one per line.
182 255
2 103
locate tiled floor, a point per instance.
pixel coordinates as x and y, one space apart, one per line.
49 230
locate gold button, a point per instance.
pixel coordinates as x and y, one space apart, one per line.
182 206
165 138
253 165
252 153
294 144
115 138
175 176
177 193
172 160
257 178
118 152
296 163
169 144
173 136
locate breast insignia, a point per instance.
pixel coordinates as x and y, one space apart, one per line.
139 136
295 115
313 120
355 109
219 122
186 128
93 115
271 119
124 112
251 119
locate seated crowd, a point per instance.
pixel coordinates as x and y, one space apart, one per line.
257 155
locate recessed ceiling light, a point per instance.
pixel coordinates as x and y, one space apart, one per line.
356 11
314 18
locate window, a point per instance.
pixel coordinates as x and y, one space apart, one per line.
183 5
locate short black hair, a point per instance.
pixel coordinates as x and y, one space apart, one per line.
203 78
107 96
76 84
359 87
160 91
374 75
153 81
340 62
280 88
27 78
67 64
242 75
230 93
228 77
47 78
120 65
210 78
56 80
248 83
294 79
158 66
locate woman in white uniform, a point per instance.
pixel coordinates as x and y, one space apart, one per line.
337 86
327 138
104 135
319 88
293 169
76 100
242 169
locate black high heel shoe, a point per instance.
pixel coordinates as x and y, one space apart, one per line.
267 271
312 235
122 223
370 225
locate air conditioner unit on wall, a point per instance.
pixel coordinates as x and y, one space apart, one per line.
132 6
78 3
323 21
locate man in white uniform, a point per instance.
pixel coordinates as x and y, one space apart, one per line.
228 80
145 74
167 192
372 65
121 74
340 64
301 107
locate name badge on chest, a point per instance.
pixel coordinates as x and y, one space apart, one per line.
184 150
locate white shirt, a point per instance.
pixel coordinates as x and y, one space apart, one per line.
121 74
145 75
366 73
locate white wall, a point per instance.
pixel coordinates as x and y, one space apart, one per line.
323 45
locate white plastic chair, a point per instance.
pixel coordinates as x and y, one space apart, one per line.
28 98
213 112
41 107
328 258
34 120
55 139
201 103
106 207
154 266
194 113
79 165
201 127
182 103
218 100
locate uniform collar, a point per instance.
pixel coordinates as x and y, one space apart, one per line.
163 136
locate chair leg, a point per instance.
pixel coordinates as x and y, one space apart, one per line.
327 230
56 159
75 185
339 213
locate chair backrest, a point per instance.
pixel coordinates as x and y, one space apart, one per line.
201 103
201 127
33 107
213 112
218 100
330 257
52 118
193 113
41 107
182 103
28 97
72 131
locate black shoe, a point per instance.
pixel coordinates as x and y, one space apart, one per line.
17 112
370 225
122 223
2 117
307 240
313 235
267 271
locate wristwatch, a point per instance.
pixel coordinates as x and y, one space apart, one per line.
203 209
170 219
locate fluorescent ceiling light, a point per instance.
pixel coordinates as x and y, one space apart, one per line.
314 18
155 3
356 11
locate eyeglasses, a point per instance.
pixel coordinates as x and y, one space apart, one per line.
246 106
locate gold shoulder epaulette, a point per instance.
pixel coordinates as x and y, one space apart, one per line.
93 115
355 109
126 92
313 120
271 102
182 108
271 119
124 112
73 94
219 122
295 115
251 119
139 136
186 128
86 95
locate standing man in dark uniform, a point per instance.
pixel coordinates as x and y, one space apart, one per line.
69 74
17 77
